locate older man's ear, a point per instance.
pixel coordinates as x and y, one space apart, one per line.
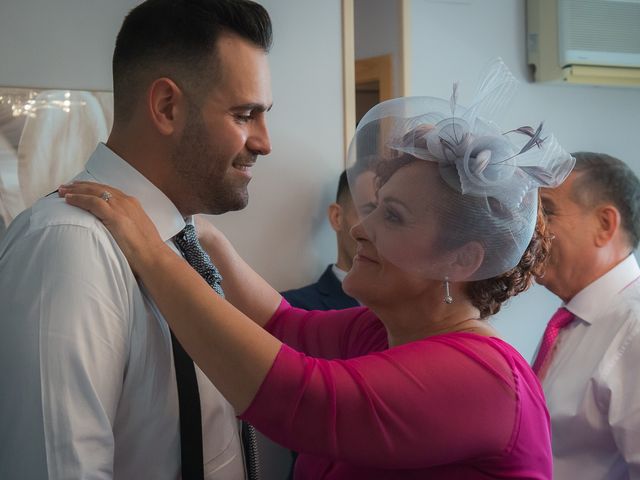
608 225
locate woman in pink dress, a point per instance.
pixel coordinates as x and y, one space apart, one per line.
416 383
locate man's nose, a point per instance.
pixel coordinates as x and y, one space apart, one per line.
260 141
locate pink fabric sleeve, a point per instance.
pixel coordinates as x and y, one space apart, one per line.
328 334
431 402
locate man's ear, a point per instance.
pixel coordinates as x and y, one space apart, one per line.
167 106
608 223
335 214
465 261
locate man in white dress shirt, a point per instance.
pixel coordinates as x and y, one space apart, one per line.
591 380
88 386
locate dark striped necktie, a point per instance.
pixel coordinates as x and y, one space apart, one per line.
187 242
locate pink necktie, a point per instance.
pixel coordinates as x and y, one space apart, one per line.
560 319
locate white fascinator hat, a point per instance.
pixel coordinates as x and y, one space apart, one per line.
457 194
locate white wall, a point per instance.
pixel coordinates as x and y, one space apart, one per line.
454 40
64 44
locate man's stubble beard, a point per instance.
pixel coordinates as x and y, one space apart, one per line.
202 172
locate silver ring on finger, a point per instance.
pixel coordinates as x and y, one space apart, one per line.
106 196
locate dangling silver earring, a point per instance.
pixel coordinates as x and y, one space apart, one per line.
448 299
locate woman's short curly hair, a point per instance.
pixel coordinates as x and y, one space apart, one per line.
487 295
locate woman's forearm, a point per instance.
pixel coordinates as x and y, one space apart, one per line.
233 351
243 287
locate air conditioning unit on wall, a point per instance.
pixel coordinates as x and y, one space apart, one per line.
593 42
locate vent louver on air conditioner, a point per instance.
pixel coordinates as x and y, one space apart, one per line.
584 41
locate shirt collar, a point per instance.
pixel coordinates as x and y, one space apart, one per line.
338 272
596 297
107 167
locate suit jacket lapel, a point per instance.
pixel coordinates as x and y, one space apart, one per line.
333 297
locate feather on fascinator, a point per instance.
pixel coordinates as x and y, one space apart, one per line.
492 175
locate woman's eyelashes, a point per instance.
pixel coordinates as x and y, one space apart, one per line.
366 209
392 216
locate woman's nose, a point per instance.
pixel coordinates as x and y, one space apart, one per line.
358 232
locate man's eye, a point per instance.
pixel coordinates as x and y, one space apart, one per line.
243 117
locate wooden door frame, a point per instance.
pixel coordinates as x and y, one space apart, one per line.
349 64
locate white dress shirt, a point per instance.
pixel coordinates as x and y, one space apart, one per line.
592 385
87 382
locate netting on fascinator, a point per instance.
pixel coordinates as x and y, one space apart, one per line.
457 194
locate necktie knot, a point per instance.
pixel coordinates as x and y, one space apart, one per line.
559 320
187 242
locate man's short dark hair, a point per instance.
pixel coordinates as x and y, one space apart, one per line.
343 192
605 179
177 39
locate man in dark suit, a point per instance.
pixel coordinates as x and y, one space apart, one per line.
327 293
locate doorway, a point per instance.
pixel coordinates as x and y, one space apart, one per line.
373 83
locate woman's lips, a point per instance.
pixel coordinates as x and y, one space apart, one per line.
364 258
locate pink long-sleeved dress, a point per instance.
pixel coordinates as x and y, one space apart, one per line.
453 406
